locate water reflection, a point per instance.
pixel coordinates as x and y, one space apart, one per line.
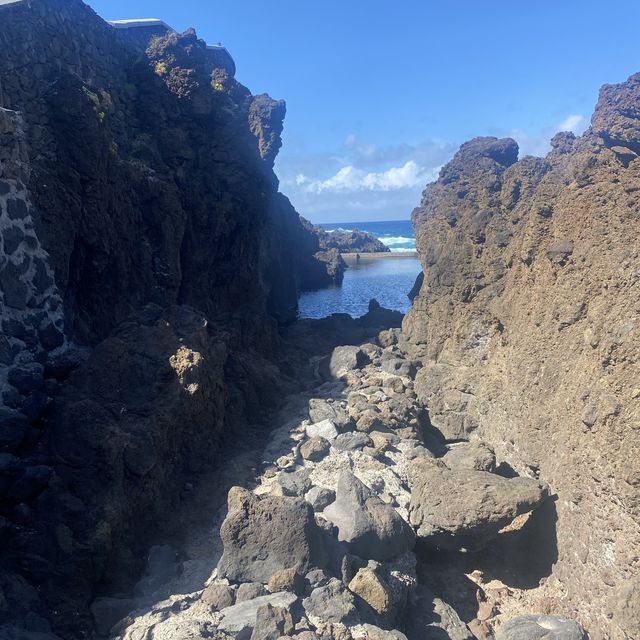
388 279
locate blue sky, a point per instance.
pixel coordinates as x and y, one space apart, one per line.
380 94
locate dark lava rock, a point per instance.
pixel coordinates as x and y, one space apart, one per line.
12 237
6 353
346 359
17 209
263 535
13 429
352 441
27 377
50 336
15 290
250 591
35 404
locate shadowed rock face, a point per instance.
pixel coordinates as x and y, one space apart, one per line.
140 218
527 325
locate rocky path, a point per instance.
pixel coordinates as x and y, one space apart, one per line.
330 526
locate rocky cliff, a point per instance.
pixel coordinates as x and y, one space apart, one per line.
146 248
527 324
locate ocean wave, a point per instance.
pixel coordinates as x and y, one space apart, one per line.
395 240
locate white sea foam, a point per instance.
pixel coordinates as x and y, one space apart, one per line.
395 240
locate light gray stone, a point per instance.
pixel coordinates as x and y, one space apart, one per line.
371 528
240 619
332 603
325 429
539 627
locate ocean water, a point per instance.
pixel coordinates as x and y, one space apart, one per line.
397 234
387 279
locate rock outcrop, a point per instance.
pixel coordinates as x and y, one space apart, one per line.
352 241
146 261
527 325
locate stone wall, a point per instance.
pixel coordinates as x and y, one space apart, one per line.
30 303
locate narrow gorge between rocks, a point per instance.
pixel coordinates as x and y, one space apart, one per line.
183 456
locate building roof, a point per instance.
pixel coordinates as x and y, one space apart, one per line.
138 22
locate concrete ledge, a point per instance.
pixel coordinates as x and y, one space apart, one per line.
137 23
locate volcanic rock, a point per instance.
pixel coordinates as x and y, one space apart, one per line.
264 535
464 508
371 528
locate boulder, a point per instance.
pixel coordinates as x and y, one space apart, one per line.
263 535
333 603
27 377
401 367
286 580
464 509
13 428
218 596
539 627
240 619
249 591
375 633
477 456
371 528
352 442
272 623
320 498
346 359
320 410
294 483
315 448
372 589
325 429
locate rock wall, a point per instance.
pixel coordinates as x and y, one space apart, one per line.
146 249
527 323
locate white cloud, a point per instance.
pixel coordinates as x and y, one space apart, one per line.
360 181
575 123
350 178
538 143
